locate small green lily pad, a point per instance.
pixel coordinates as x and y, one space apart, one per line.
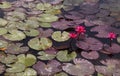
29 72
3 31
5 4
17 67
3 22
9 59
43 6
27 60
32 32
3 44
44 56
61 74
45 24
15 35
60 36
47 18
32 23
40 44
63 56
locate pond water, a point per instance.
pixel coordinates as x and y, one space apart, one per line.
59 38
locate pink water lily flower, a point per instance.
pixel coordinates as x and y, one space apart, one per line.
112 35
73 35
80 29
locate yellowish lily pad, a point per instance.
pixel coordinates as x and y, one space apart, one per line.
40 44
15 35
60 36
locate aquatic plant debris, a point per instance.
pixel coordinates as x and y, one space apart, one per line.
59 37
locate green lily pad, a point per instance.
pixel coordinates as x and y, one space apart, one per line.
32 32
5 5
18 15
32 23
27 60
29 72
17 67
3 44
63 56
47 18
9 59
118 39
15 35
3 22
44 56
61 74
45 24
40 44
60 36
3 31
43 6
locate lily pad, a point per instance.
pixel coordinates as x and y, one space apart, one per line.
31 23
44 33
18 48
5 4
47 18
90 55
31 32
80 67
43 6
30 72
90 44
45 56
2 68
9 59
45 24
40 44
3 31
27 60
15 35
60 36
14 68
111 67
3 22
61 74
63 56
51 68
3 44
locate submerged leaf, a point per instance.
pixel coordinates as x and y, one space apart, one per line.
60 36
63 56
